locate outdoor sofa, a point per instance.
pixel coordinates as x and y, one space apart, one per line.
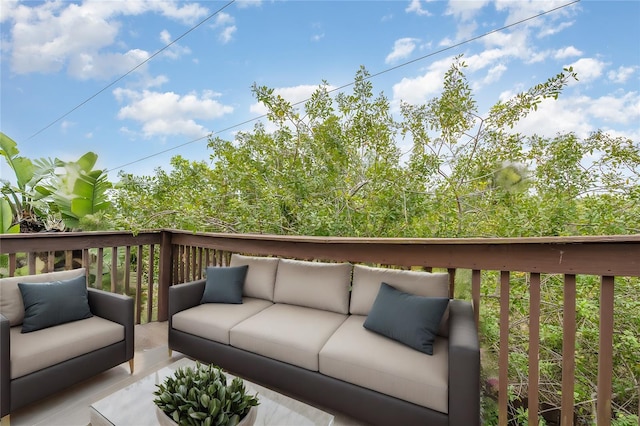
72 334
299 327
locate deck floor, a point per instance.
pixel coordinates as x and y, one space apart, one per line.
71 407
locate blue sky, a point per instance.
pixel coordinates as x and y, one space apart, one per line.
57 54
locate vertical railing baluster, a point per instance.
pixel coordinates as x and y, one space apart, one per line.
114 269
200 264
568 350
194 263
99 266
605 352
534 348
12 264
187 263
475 294
32 263
127 270
150 282
176 263
503 369
182 262
68 260
51 260
139 285
452 282
85 260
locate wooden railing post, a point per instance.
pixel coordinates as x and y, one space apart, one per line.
605 353
164 278
568 350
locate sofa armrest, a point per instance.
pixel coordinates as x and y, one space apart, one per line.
117 308
184 296
464 365
5 367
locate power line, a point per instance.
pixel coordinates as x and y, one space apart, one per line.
352 83
131 70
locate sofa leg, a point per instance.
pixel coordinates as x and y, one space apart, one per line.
130 366
6 420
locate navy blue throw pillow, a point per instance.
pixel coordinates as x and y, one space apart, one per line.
407 318
54 303
224 284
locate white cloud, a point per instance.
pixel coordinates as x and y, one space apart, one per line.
49 36
588 69
402 49
582 114
567 52
243 4
223 19
484 59
227 22
622 74
494 74
419 89
623 109
465 10
554 28
84 66
227 34
65 125
168 113
317 37
416 7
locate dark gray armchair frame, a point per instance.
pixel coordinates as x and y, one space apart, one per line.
317 389
24 390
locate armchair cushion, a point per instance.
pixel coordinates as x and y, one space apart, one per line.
224 284
11 305
407 318
54 303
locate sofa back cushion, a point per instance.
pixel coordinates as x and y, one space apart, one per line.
367 281
261 275
314 284
11 304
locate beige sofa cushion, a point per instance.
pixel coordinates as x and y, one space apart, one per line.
34 351
367 280
214 320
314 284
261 275
362 357
287 333
11 305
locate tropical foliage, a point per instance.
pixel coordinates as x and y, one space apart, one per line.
43 198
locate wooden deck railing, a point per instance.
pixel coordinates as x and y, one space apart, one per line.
147 264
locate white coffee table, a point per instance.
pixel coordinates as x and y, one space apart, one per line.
134 405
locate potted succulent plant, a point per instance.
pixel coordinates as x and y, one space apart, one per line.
200 395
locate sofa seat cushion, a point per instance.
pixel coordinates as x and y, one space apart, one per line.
287 333
40 349
213 321
359 356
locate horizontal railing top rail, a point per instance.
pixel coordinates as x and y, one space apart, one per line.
154 260
554 255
